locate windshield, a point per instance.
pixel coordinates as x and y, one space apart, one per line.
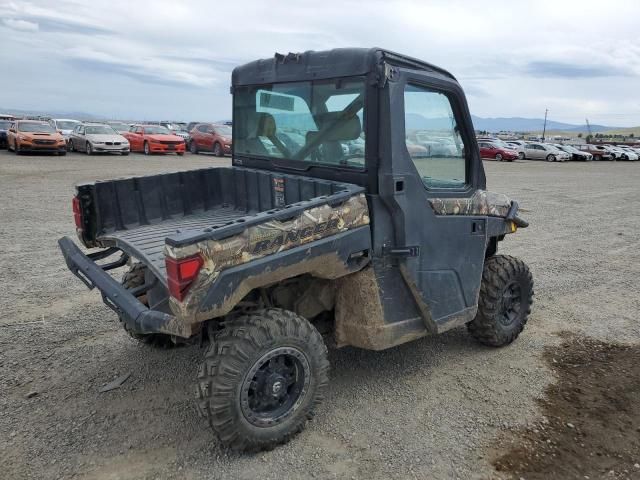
223 130
66 124
99 130
36 127
151 129
4 125
120 127
310 122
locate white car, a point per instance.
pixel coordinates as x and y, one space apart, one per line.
623 153
517 145
543 151
97 138
64 125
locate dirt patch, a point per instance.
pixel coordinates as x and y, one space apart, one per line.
591 422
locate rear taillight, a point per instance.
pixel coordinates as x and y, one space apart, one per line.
77 213
181 273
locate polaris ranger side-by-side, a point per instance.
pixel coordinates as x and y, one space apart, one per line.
307 235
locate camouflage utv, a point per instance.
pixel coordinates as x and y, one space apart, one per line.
305 237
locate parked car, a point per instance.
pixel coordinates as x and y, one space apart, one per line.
64 125
35 136
497 152
620 153
178 129
154 139
517 145
415 150
631 149
575 153
4 127
598 151
119 127
356 147
191 125
543 151
97 138
210 137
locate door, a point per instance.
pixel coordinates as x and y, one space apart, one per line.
199 134
136 139
77 137
209 137
441 256
484 150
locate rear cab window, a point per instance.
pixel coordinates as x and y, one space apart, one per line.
303 122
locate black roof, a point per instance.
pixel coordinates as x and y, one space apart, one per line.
339 62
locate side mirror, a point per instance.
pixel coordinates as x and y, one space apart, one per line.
12 130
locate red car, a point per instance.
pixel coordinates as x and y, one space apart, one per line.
153 139
491 150
209 137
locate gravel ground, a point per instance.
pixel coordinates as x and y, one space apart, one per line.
433 408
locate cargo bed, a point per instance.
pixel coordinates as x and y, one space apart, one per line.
140 215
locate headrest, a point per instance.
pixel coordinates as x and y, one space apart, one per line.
348 128
266 125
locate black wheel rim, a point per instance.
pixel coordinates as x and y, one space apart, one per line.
275 386
511 304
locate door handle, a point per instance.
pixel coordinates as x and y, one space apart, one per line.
409 251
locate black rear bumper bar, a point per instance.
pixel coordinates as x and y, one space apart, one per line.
136 315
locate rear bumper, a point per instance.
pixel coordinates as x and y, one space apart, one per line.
136 315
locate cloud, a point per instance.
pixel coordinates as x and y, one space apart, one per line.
147 56
574 70
22 25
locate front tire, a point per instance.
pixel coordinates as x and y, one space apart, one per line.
498 157
262 378
504 304
147 150
193 147
551 158
70 146
89 148
521 155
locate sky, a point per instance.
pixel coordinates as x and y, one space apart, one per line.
172 60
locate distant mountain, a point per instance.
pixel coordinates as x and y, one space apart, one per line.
519 124
58 114
413 121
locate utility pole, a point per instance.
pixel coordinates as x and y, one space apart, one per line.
544 128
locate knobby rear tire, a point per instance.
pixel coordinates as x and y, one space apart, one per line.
230 360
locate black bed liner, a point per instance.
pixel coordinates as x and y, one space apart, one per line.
140 215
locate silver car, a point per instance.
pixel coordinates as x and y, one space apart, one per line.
97 138
543 151
64 125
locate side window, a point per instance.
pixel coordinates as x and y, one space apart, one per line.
202 128
437 149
